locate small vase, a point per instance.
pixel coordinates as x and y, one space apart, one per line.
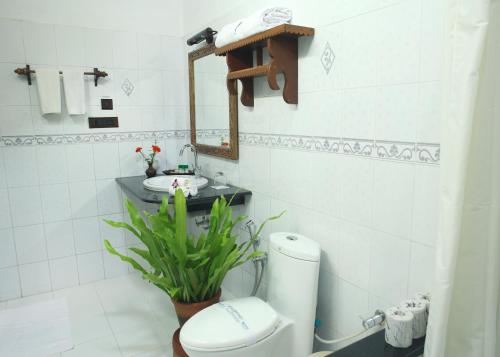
150 171
185 312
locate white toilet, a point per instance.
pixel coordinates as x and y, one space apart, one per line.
250 327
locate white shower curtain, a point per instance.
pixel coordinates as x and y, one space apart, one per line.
465 312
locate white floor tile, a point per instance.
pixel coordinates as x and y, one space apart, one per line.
101 347
133 342
89 327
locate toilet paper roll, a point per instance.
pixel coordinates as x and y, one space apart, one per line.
398 327
419 310
426 298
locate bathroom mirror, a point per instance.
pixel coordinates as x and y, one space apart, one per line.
213 112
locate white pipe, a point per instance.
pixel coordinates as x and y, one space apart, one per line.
331 342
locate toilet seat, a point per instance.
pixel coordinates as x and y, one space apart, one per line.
230 325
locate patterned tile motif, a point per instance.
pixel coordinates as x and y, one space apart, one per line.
424 153
127 87
327 58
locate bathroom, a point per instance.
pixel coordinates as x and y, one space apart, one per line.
372 147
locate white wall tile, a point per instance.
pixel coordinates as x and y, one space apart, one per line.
149 51
35 278
113 266
125 54
83 198
171 47
51 163
433 35
389 265
131 164
25 205
130 119
20 166
49 124
55 202
115 236
426 205
175 88
356 184
354 254
106 161
80 162
5 217
70 45
150 88
59 237
109 197
13 88
16 120
63 272
9 284
11 41
393 198
98 48
430 115
398 112
3 178
90 267
30 244
421 269
86 235
399 50
7 249
348 304
39 43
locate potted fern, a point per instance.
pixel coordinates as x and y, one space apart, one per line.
190 270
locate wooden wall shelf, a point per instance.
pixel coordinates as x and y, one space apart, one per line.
282 44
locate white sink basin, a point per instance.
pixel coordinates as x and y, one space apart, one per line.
163 183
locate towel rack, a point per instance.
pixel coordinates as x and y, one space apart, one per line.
27 71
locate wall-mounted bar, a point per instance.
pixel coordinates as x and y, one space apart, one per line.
27 71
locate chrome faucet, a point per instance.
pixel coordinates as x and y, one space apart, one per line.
197 168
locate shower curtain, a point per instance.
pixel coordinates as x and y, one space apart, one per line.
465 315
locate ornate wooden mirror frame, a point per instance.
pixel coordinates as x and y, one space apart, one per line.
232 151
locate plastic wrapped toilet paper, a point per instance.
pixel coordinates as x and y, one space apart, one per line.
419 310
398 327
426 298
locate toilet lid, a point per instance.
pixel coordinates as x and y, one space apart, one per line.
229 325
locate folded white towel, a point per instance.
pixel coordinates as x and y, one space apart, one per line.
264 20
185 185
259 21
49 90
74 91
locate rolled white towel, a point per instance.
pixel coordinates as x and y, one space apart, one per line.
228 34
264 20
259 21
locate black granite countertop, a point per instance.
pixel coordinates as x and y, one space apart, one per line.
202 201
375 346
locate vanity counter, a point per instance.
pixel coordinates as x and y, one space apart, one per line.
375 346
201 202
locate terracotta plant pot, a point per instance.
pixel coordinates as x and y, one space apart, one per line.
150 171
185 312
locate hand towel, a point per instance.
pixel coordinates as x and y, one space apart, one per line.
49 90
74 91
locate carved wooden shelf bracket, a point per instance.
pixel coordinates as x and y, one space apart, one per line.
282 45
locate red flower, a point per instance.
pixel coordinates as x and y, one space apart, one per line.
138 149
155 148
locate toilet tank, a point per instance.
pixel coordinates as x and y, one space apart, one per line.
293 272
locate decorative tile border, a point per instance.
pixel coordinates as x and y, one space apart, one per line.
378 149
92 138
428 153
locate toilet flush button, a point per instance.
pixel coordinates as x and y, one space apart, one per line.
292 238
